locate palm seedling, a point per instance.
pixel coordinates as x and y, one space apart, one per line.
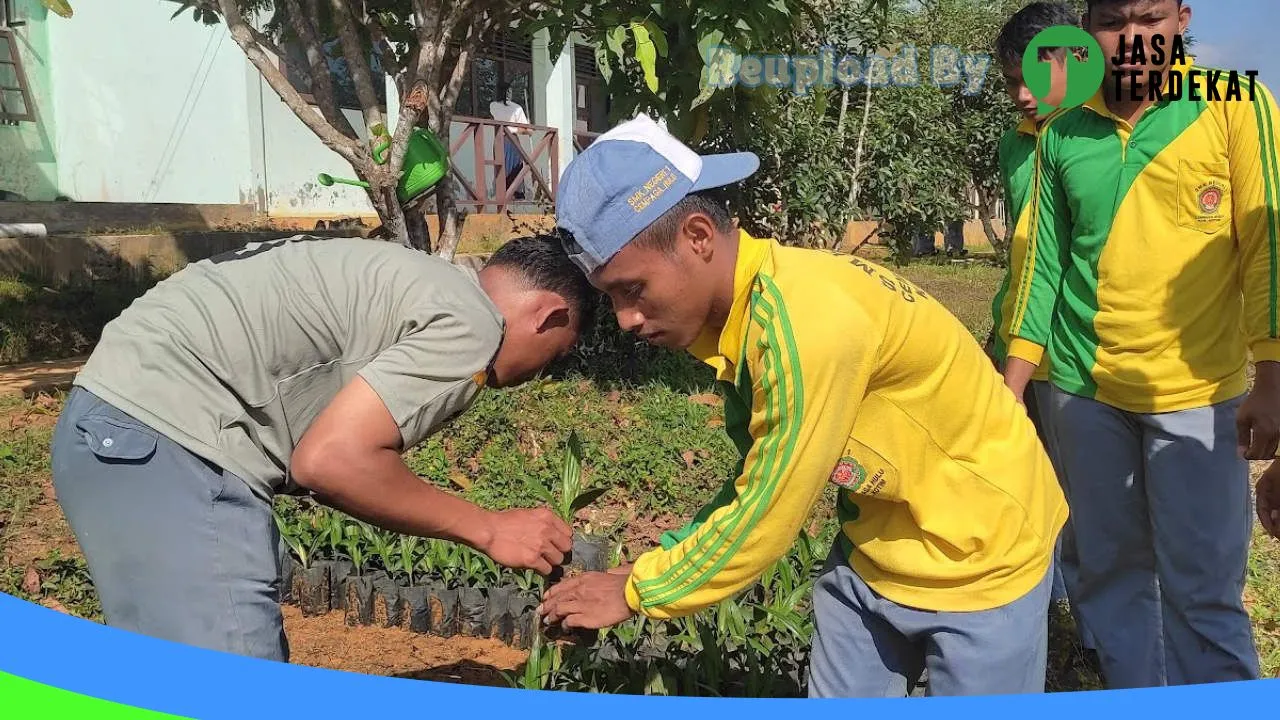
569 496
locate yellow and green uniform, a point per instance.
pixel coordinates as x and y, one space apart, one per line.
1017 168
836 370
1155 252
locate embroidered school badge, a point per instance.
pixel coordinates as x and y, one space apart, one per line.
849 474
1211 198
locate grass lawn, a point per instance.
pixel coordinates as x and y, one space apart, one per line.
652 432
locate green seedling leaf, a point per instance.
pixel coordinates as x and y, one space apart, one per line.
586 499
570 477
539 491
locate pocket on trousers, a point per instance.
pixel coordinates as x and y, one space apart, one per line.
117 441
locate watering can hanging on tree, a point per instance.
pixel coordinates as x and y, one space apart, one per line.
426 162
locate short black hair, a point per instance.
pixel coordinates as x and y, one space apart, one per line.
661 234
543 263
1026 24
1091 3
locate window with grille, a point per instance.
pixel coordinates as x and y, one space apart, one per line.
502 59
15 94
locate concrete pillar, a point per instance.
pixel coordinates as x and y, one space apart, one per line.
393 103
553 92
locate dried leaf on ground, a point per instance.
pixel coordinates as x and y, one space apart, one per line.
31 582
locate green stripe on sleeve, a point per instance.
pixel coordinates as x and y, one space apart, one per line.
1271 175
760 497
715 538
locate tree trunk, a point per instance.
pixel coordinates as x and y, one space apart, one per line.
417 230
855 188
844 108
985 212
450 220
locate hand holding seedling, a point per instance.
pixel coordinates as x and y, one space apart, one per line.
589 601
1268 494
533 539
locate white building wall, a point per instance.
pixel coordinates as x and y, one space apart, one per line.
170 111
153 111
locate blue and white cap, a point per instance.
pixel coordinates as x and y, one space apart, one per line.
626 180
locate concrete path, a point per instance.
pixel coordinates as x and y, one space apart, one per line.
30 379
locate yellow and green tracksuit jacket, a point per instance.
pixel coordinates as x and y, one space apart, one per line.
835 370
1017 168
1155 258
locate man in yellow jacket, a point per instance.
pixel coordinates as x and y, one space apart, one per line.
833 370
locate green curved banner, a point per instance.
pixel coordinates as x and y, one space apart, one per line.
21 699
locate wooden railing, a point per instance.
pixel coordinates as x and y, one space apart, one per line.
477 149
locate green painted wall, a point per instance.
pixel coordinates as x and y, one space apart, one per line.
28 164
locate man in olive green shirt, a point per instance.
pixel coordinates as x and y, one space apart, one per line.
301 363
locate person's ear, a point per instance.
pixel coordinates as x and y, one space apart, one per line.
1184 18
553 312
699 232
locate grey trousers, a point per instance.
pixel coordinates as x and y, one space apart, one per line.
1162 517
178 548
868 646
1039 398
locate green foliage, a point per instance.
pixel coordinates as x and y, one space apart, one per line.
63 580
754 645
653 55
636 438
570 495
39 322
800 195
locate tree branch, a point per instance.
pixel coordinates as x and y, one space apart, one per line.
318 66
252 42
416 92
448 96
390 60
357 61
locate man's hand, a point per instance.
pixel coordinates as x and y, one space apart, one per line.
590 601
1268 497
1258 420
519 539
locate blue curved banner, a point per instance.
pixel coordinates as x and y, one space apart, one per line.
77 656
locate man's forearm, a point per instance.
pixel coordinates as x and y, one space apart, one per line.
1017 373
1266 373
378 488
